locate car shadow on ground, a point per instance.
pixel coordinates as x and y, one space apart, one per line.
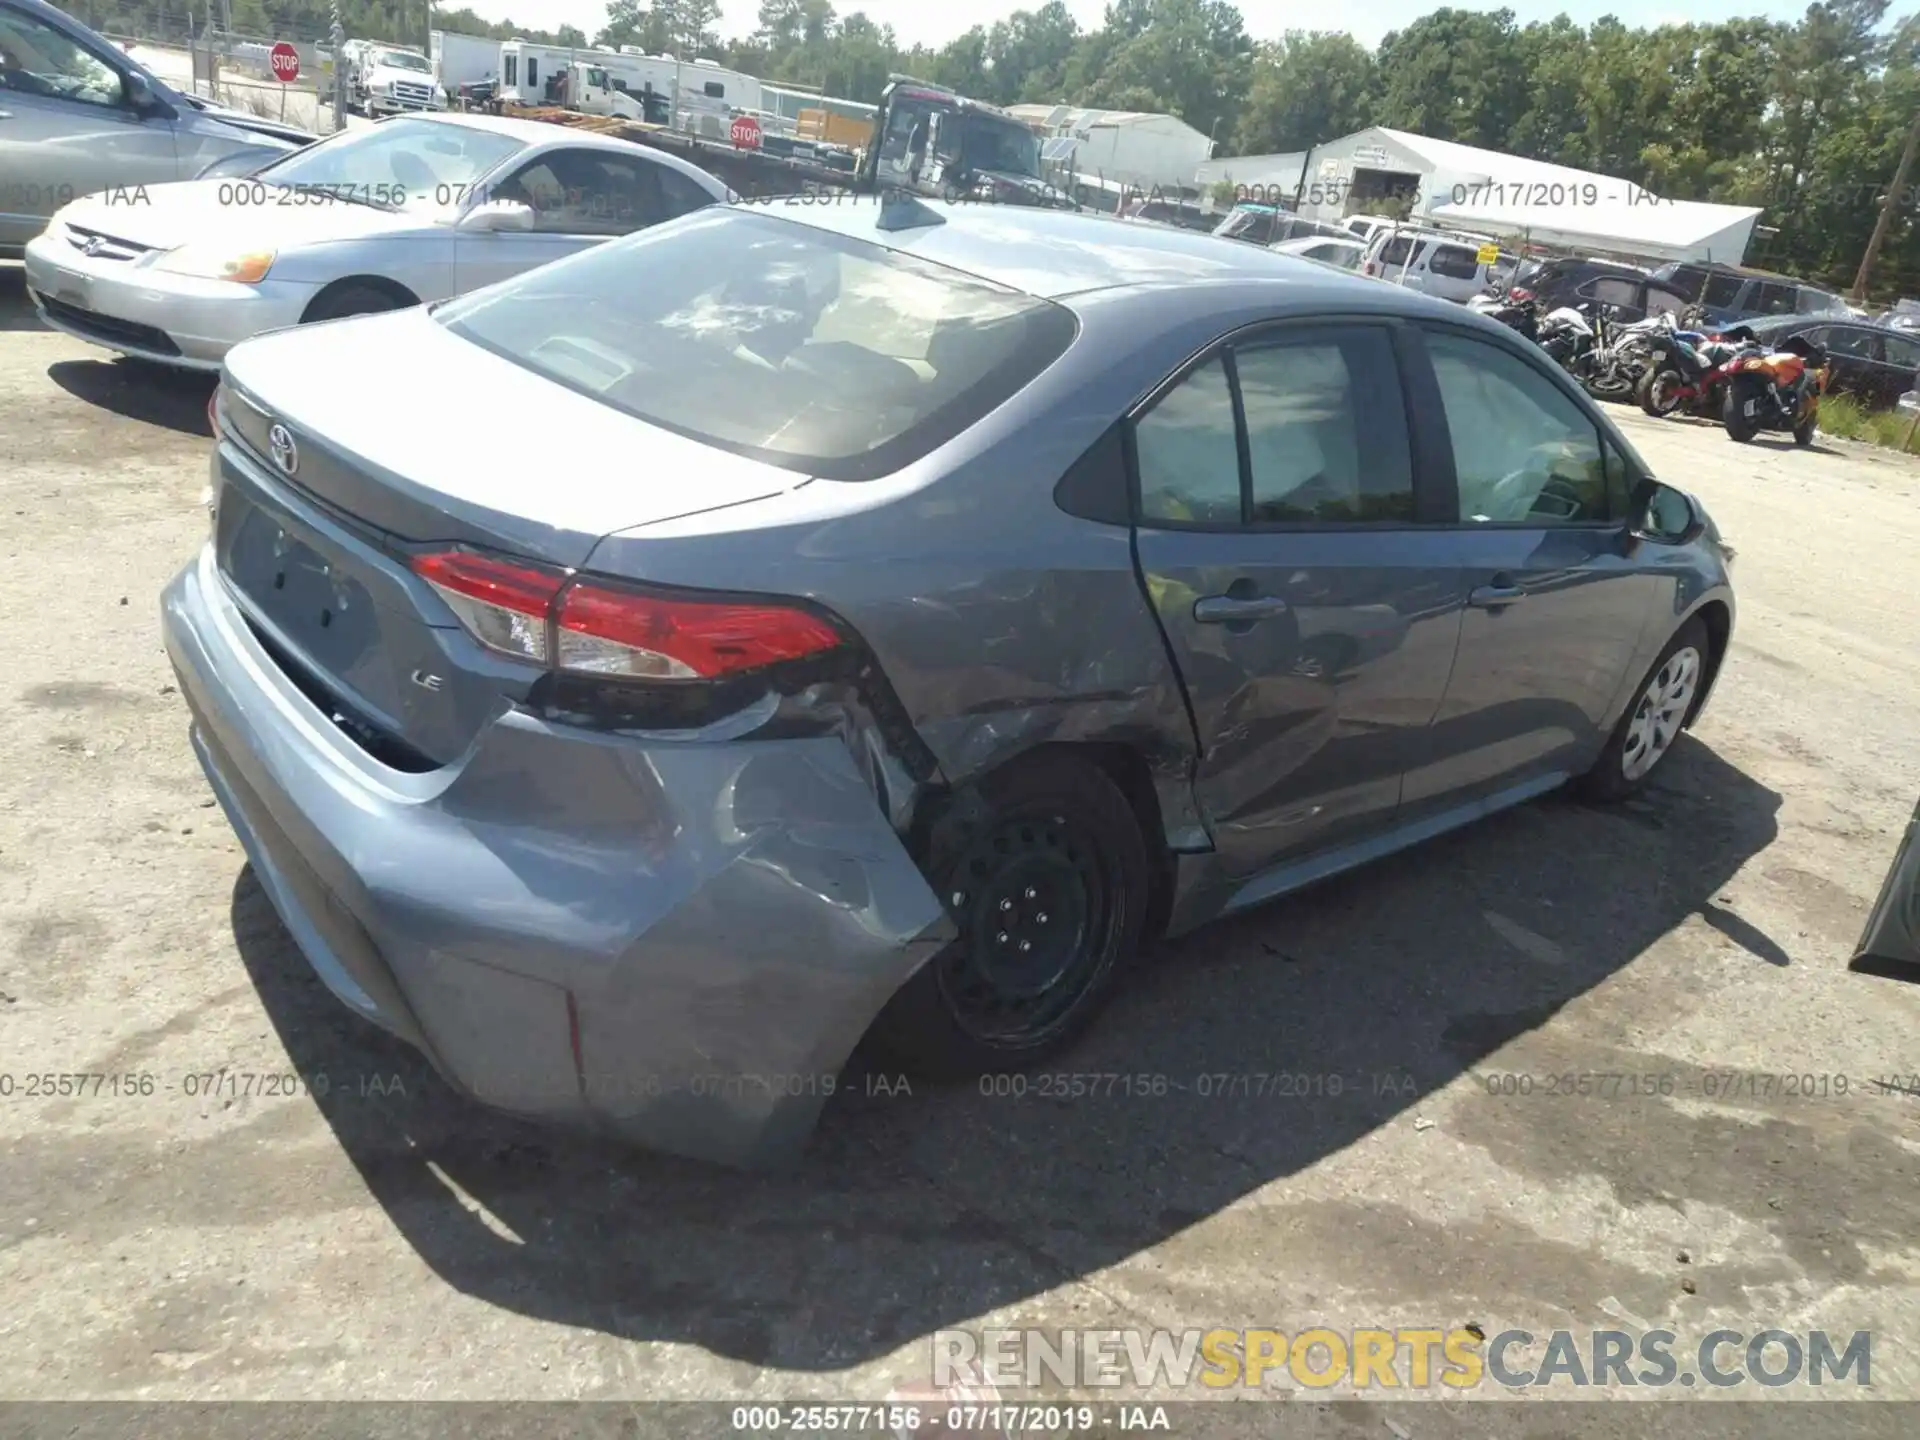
151 394
16 310
918 1211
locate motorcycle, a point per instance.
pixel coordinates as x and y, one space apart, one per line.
1518 312
1688 371
1626 355
1776 390
1569 339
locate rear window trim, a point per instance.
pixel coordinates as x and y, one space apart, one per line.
908 448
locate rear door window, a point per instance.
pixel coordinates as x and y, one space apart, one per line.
1770 297
1455 262
1608 290
1188 453
1722 292
1395 251
1326 439
1902 351
1847 340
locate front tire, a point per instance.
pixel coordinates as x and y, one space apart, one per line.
1646 733
1740 426
1047 880
347 300
1804 432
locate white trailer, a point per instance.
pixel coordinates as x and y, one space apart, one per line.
1121 146
463 59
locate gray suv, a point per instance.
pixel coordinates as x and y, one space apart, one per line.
1727 293
78 116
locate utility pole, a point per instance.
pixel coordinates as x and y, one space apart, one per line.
337 36
1896 192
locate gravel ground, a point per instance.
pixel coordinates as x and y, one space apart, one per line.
388 1241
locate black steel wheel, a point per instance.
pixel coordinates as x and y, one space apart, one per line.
1046 881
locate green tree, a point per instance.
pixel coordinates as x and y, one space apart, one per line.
1308 87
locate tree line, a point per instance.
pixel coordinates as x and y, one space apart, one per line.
1805 118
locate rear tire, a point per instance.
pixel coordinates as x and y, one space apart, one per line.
1655 392
1047 880
346 300
1740 426
1804 432
1645 736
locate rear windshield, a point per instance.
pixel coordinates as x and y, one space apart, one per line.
1247 224
773 339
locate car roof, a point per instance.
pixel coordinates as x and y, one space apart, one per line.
1056 253
545 133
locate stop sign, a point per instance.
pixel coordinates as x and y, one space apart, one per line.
746 132
285 61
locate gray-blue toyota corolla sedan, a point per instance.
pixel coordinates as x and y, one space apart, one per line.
640 680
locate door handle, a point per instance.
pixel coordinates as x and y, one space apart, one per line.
1229 609
1492 597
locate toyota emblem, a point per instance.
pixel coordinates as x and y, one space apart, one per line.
285 453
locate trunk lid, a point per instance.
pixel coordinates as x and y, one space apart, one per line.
315 539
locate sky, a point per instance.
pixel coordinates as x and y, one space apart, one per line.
934 22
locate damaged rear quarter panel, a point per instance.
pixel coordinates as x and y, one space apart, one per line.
1000 622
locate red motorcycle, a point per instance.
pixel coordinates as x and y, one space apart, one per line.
1687 379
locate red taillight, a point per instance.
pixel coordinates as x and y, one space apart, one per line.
1518 294
605 630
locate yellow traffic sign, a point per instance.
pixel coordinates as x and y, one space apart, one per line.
1488 255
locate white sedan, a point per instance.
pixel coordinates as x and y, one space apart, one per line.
1325 249
411 210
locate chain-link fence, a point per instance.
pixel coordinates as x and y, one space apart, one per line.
193 47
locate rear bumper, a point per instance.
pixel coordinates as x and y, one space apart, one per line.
678 941
169 319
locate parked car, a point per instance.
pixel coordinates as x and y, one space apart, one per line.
1364 227
1270 225
1182 215
79 115
413 209
1728 293
1435 262
1878 363
1327 249
1892 933
1631 292
638 795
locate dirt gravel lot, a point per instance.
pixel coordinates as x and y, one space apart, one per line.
388 1241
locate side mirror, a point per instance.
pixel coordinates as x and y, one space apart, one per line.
140 97
1666 516
499 216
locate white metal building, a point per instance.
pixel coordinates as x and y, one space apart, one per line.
1528 200
1126 147
1254 177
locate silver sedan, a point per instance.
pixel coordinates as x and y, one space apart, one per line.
411 210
